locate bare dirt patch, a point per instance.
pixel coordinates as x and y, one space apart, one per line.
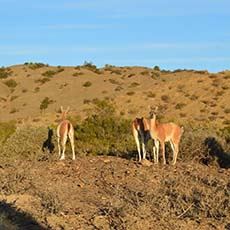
114 193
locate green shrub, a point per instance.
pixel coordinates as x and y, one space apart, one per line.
156 68
180 105
49 73
145 72
130 93
115 82
11 83
104 132
35 65
60 69
87 84
12 98
118 88
42 80
134 84
45 103
76 74
4 72
37 89
227 110
151 94
14 110
24 90
90 66
193 97
165 98
131 75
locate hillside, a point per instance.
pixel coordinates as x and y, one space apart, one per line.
189 97
105 187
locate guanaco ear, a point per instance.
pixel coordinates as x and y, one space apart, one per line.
146 124
62 109
67 110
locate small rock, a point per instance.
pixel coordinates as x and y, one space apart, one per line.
101 222
146 163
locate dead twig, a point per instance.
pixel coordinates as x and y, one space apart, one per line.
186 210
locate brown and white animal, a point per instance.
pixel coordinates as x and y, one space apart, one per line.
141 136
64 130
161 133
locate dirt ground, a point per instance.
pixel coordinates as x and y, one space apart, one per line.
113 193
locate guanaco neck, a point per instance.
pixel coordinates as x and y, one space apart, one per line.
63 116
153 121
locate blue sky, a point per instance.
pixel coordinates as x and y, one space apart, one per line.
173 34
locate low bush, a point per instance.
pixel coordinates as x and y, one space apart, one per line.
35 65
180 105
90 66
130 93
42 80
4 72
25 142
11 83
104 132
87 84
49 73
205 146
6 130
45 103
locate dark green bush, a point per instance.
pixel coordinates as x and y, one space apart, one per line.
156 68
11 83
87 84
35 65
104 132
4 72
180 105
45 103
49 73
90 66
42 80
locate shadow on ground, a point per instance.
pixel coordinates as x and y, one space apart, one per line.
13 219
216 150
48 143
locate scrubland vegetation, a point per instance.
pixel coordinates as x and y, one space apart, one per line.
105 187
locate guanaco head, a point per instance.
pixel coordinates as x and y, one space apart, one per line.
153 111
64 113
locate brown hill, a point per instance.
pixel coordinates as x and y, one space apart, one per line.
188 97
103 192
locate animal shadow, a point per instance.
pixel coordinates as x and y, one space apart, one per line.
48 144
12 218
216 150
